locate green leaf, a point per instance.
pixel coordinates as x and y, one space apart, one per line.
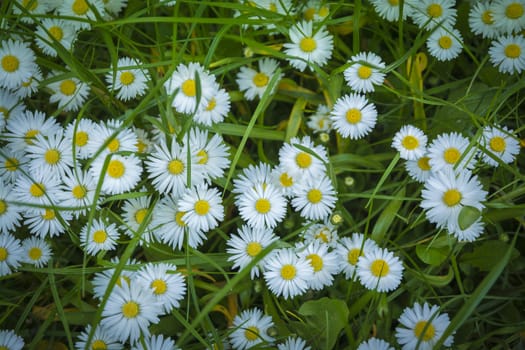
328 317
296 117
432 254
467 216
435 280
487 254
387 216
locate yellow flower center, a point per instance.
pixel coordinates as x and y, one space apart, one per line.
28 82
512 51
353 116
178 218
175 167
288 272
49 214
98 345
309 14
314 196
37 189
323 11
140 215
285 180
11 164
323 236
10 63
430 331
251 333
114 145
308 44
303 160
451 155
68 87
79 191
435 10
159 287
202 207
410 142
189 88
80 7
273 7
497 144
31 5
486 17
130 309
56 32
141 146
364 72
52 156
316 261
30 136
3 254
211 105
253 248
423 163
353 256
127 78
379 268
116 169
5 112
81 138
445 42
263 205
99 236
203 157
260 79
3 207
393 2
514 10
452 197
34 253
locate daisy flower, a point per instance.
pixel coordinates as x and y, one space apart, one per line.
419 169
211 154
507 53
375 344
215 109
281 179
9 213
128 79
10 105
47 222
134 213
129 311
428 14
246 245
40 189
421 327
52 32
51 154
22 128
286 274
30 86
350 249
12 165
101 280
325 263
470 233
17 63
168 226
364 72
316 10
308 47
156 342
449 151
446 193
98 236
110 137
445 44
509 15
390 9
315 198
293 343
83 11
251 177
255 82
120 175
250 328
78 134
11 254
36 251
410 142
167 285
70 93
77 192
501 143
320 121
182 85
203 208
102 339
481 20
262 206
324 233
378 269
10 340
353 116
113 7
144 143
27 10
301 164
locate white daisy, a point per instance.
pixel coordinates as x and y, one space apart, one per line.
129 79
350 249
156 342
36 251
419 169
325 263
215 109
30 86
121 174
364 72
375 344
10 340
251 177
10 214
50 154
428 14
446 193
129 311
11 254
470 233
445 44
168 226
98 236
353 116
27 10
47 222
262 206
320 121
378 269
315 198
102 339
244 247
501 143
451 150
481 20
250 328
77 192
52 32
308 47
78 134
166 284
10 105
507 53
17 63
101 279
12 165
110 137
391 9
138 212
281 179
84 12
410 142
286 274
254 83
70 93
302 159
421 327
316 10
22 128
40 189
324 233
509 15
211 154
144 142
203 208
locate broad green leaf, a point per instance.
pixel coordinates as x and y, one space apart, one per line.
435 280
431 254
487 254
467 216
296 117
